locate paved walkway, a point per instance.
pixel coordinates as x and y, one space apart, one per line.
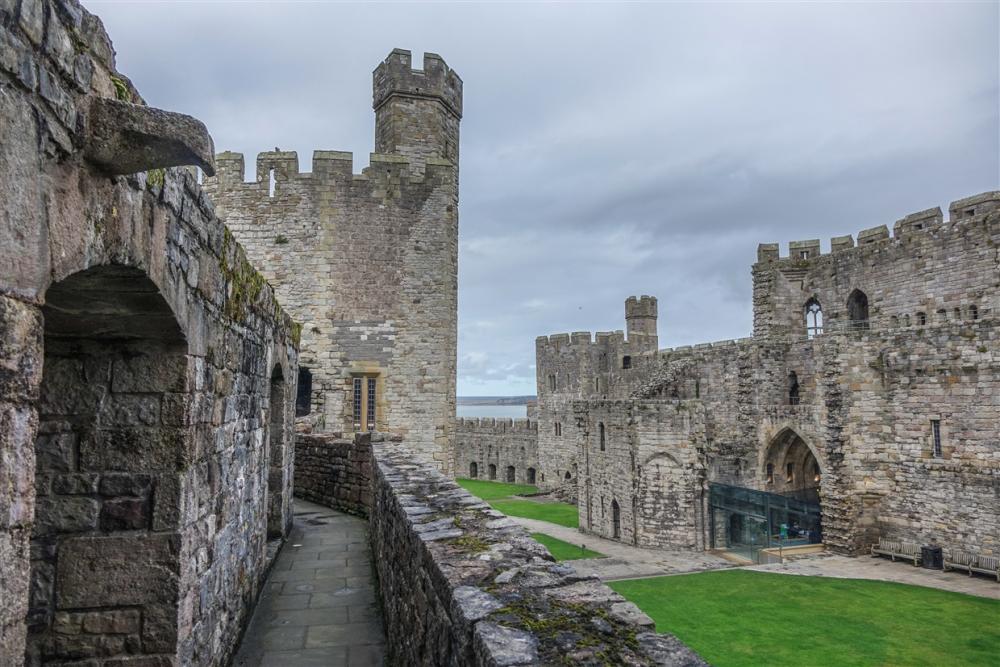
883 569
318 605
625 561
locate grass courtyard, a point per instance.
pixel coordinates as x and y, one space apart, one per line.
561 550
737 617
500 496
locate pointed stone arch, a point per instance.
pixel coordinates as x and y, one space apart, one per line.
791 465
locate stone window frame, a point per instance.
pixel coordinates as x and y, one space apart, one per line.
602 435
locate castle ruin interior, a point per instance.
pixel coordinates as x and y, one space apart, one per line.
183 350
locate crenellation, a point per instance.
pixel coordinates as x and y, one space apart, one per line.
804 249
974 206
873 235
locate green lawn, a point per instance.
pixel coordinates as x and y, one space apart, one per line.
493 490
563 514
498 494
564 550
737 617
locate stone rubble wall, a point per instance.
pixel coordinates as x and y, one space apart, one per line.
463 585
334 471
153 474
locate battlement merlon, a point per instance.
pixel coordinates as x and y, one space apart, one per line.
921 222
395 77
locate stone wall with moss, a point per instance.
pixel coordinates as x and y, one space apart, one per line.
145 371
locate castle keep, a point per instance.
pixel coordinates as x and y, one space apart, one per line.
368 262
863 405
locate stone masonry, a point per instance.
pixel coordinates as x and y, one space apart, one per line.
871 382
497 449
368 262
146 370
885 410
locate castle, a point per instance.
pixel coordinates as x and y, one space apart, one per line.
863 405
367 263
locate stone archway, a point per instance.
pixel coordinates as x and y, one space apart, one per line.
111 442
791 467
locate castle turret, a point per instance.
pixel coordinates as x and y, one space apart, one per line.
417 112
640 320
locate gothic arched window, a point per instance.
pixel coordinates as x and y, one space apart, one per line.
814 318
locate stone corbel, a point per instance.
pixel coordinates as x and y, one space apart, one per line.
124 138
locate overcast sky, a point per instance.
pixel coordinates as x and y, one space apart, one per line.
610 150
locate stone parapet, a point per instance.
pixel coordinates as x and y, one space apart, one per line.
470 586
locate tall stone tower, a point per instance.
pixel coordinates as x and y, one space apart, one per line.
368 262
640 321
417 112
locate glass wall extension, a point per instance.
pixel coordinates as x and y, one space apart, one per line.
744 521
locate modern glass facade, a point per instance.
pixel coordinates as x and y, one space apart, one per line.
744 521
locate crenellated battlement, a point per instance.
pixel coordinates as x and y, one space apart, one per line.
395 76
913 225
496 425
329 169
579 341
729 343
643 306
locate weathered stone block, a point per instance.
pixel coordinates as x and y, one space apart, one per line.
65 514
114 622
125 484
75 484
103 571
125 514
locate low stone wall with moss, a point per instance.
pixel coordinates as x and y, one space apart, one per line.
460 583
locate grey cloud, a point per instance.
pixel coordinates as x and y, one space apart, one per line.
610 150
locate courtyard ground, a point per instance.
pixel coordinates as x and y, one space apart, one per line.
741 617
561 550
501 496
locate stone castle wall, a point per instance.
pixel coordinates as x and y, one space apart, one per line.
368 262
504 450
864 399
145 401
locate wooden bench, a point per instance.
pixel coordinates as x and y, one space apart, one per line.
960 560
897 549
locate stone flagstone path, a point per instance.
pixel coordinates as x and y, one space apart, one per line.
318 605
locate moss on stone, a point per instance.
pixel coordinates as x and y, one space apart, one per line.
557 619
156 177
121 89
471 544
245 284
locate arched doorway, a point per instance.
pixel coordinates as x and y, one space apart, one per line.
492 470
511 474
857 309
792 468
616 520
530 475
277 444
473 470
111 444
